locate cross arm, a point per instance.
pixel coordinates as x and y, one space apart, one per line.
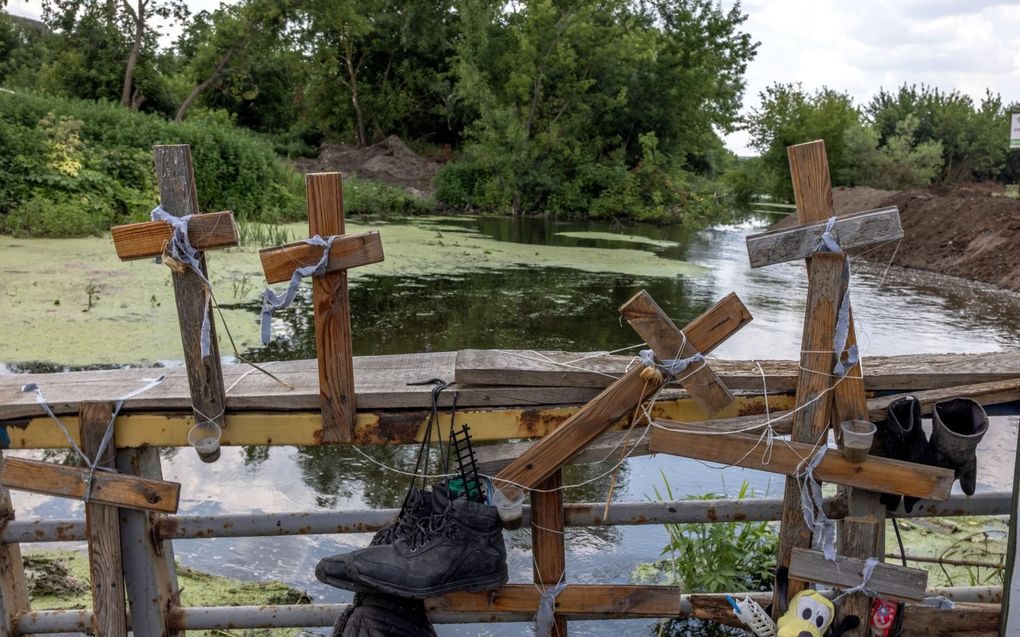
146 240
108 488
857 230
703 335
747 450
888 581
347 251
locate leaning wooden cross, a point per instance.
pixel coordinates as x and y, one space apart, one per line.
178 196
329 296
820 397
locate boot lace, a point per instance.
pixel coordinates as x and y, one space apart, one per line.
426 530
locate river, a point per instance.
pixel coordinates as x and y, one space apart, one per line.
453 283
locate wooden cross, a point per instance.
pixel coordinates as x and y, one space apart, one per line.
703 334
329 296
812 188
178 196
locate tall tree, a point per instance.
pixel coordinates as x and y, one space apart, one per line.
139 18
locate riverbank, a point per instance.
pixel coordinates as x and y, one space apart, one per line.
971 231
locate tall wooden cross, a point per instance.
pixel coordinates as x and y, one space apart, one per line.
329 296
812 188
178 196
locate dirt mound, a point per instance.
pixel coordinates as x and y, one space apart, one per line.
390 161
846 200
966 230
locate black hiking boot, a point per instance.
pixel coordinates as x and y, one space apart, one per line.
459 548
333 569
957 426
384 616
902 438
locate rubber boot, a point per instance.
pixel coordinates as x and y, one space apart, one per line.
957 426
459 548
384 616
902 438
332 570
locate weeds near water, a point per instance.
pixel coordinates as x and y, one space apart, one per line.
262 235
92 292
242 286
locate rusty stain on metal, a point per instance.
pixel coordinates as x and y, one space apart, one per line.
393 427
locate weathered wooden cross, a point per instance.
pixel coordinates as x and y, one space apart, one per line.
329 296
812 188
178 196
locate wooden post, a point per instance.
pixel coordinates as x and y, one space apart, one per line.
178 196
812 187
813 398
547 539
1011 584
150 575
13 589
102 530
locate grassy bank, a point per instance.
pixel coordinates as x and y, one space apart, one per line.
60 580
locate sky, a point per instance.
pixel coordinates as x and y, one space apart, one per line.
859 46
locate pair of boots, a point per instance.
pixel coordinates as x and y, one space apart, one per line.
437 545
958 425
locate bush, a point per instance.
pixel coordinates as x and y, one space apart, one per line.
366 197
93 161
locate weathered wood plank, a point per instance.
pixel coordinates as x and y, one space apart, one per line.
108 488
600 369
178 196
13 587
576 601
853 231
814 398
547 540
102 531
701 336
332 314
746 450
147 240
150 574
887 580
380 382
347 251
1011 581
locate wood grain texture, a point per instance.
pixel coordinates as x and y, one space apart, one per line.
888 581
703 335
102 531
347 251
853 231
147 240
332 314
813 396
511 368
576 601
547 540
108 488
150 574
746 450
1011 580
177 195
13 587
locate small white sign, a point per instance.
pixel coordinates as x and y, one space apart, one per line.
1014 131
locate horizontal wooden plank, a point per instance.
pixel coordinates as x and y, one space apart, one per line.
851 232
146 240
348 251
746 450
576 601
887 580
599 369
108 488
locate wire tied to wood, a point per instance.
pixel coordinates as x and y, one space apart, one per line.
829 244
179 255
92 465
272 302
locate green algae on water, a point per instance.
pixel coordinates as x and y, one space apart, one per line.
612 236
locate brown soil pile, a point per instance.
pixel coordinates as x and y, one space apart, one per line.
967 230
846 200
390 161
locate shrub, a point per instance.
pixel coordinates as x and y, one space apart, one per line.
94 161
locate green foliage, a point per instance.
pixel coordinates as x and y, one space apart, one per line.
70 167
367 197
592 108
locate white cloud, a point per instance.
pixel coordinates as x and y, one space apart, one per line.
860 47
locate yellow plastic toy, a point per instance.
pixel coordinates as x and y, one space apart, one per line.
810 614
